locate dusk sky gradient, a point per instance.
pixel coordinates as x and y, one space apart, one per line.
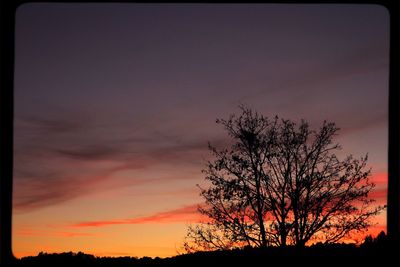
115 104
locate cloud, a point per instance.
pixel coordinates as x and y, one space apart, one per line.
183 214
50 125
352 124
58 158
31 232
89 152
52 180
37 192
379 195
380 179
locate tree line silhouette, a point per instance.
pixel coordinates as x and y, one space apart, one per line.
371 252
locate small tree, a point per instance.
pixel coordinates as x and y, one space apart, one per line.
280 184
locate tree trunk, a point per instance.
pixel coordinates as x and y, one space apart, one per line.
300 243
262 231
283 235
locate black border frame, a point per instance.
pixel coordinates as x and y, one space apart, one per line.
8 10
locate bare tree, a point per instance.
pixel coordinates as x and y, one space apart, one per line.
327 198
280 184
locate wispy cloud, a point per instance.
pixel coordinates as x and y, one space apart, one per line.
59 158
352 124
379 195
90 152
183 214
31 232
380 179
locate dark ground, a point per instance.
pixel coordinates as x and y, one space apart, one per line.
374 254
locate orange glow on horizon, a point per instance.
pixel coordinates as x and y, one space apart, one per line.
133 236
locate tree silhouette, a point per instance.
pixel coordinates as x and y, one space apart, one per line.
278 184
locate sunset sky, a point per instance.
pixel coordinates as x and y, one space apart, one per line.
115 104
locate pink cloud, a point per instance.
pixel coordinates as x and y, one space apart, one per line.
69 174
379 195
353 125
380 178
183 214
